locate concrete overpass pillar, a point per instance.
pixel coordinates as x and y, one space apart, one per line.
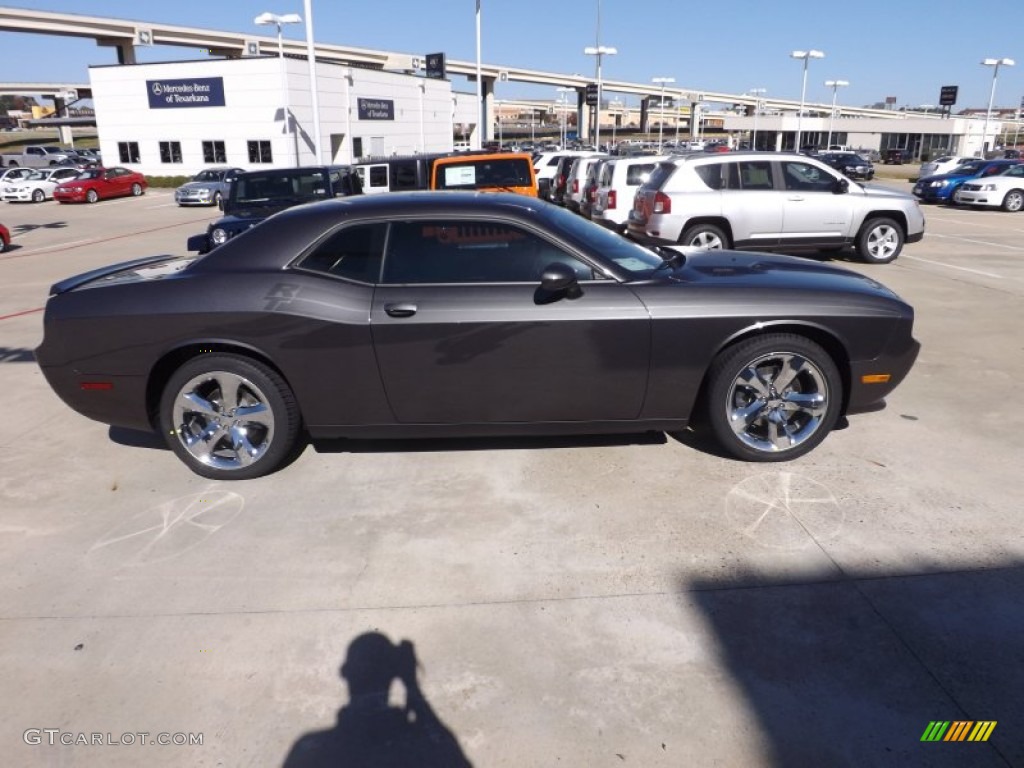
125 48
645 115
582 115
63 131
488 110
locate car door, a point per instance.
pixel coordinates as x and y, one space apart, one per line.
814 214
464 334
749 200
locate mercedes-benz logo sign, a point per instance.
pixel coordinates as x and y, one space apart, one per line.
157 89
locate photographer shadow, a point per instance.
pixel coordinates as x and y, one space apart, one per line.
372 733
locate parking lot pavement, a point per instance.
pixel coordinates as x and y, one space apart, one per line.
582 602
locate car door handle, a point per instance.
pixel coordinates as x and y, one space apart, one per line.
795 197
400 310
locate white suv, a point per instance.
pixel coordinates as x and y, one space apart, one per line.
619 181
771 202
577 181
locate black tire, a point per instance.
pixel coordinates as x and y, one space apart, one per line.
705 236
880 240
774 427
4 245
136 189
91 196
217 197
204 430
1014 201
38 196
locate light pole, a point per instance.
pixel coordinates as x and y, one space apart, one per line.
314 96
481 110
279 21
662 81
835 85
995 64
599 51
806 56
757 93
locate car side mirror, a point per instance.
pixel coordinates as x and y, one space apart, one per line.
557 277
841 187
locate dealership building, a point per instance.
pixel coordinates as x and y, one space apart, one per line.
175 118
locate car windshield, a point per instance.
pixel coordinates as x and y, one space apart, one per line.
53 150
968 169
95 173
639 261
36 176
297 185
208 176
1014 170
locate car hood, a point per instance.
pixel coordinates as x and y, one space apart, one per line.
198 185
878 190
947 177
771 271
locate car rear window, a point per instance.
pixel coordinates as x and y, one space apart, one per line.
638 174
662 173
472 174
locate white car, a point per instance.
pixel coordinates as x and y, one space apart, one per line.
11 175
941 165
36 186
578 180
1004 190
620 178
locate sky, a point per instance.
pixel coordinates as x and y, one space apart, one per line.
902 48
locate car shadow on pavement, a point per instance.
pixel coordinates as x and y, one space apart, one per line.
441 444
137 438
372 732
851 669
17 355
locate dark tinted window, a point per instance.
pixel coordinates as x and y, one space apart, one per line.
710 174
354 253
213 152
452 251
379 176
403 175
660 175
751 175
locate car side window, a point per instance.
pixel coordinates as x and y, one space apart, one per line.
353 253
710 174
748 175
467 251
805 177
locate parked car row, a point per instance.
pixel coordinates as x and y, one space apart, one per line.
69 185
942 187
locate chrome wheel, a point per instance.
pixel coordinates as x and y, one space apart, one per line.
38 196
223 420
777 402
92 196
136 189
1013 201
773 398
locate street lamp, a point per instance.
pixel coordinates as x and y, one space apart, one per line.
481 107
757 93
599 51
806 56
835 85
995 63
663 81
279 21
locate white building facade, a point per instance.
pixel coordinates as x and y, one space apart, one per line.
175 118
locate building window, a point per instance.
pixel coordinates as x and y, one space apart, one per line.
357 147
170 151
213 152
128 151
259 152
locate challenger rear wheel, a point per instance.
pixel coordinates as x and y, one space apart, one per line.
228 417
773 398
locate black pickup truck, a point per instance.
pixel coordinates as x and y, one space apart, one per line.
255 195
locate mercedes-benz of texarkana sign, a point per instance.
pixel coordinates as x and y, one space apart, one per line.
432 314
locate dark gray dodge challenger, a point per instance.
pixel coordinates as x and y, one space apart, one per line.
448 314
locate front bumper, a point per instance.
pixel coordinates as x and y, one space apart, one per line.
980 198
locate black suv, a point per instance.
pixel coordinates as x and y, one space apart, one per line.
896 156
849 164
254 196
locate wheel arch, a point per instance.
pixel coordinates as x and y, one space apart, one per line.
821 336
173 359
716 221
898 216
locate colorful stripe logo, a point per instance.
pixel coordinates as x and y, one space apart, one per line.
959 730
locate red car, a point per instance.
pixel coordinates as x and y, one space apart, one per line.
99 183
5 238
